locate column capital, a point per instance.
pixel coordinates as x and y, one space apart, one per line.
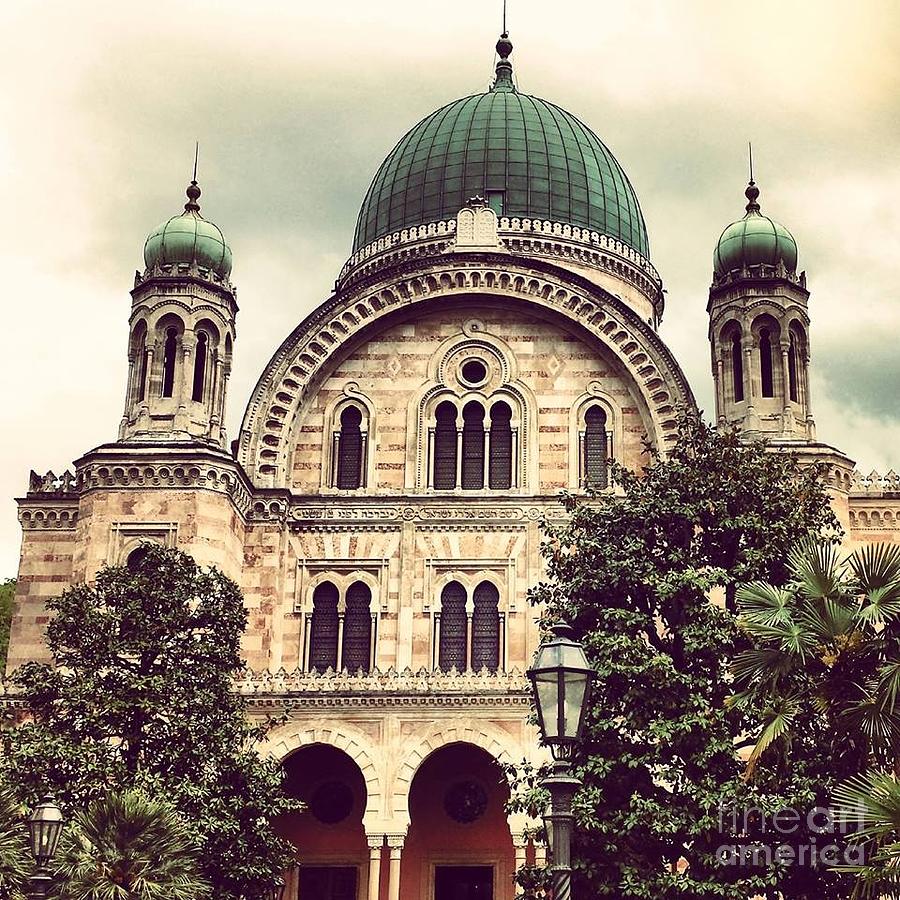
395 841
375 841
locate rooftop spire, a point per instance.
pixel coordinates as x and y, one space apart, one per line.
193 191
752 192
503 80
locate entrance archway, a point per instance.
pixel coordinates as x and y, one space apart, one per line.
332 852
459 845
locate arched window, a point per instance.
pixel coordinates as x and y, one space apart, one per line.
765 364
356 652
445 447
170 355
737 367
595 453
454 638
139 351
473 446
350 456
135 558
500 466
793 392
323 641
486 628
200 367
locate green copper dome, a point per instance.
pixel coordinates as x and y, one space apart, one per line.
753 241
189 238
526 156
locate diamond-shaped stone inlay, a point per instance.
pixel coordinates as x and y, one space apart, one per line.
554 366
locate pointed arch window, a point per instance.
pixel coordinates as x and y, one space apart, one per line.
486 628
473 446
767 383
200 355
793 391
595 466
452 652
356 648
445 447
170 355
323 642
501 448
350 451
737 367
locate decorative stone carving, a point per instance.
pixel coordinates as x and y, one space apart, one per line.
52 484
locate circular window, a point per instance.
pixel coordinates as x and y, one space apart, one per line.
465 802
473 371
331 802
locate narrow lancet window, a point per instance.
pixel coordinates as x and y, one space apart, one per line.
501 449
323 641
792 370
737 367
486 628
356 649
170 355
452 651
767 383
596 462
445 449
350 460
200 355
473 447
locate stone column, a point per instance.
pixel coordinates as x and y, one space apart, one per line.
376 842
520 842
395 844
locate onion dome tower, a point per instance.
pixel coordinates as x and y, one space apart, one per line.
759 329
182 332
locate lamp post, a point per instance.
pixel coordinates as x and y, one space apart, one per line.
44 827
561 681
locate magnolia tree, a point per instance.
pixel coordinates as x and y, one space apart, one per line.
139 695
647 575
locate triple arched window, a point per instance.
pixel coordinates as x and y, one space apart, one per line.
468 629
341 631
474 450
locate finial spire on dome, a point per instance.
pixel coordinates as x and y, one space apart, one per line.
752 192
193 191
503 80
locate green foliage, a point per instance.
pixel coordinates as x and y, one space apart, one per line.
7 597
633 573
139 696
826 662
129 847
15 857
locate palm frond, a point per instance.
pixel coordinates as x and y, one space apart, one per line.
777 725
881 604
815 569
764 604
875 565
764 664
870 801
888 685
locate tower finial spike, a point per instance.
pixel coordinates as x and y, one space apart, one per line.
752 192
193 191
503 80
504 18
750 146
196 159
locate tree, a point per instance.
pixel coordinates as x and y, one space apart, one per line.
129 847
7 597
633 571
826 661
15 858
139 695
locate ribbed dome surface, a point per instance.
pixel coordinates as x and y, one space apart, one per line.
528 157
753 241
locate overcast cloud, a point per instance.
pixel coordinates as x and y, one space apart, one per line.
295 105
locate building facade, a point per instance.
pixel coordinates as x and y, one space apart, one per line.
492 341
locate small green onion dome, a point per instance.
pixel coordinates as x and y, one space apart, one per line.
189 238
755 240
528 157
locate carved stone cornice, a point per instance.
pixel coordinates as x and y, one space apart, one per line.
146 465
289 690
47 513
265 442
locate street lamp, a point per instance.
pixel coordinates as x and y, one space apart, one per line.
44 827
561 681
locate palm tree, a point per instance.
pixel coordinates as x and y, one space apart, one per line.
15 857
827 642
130 847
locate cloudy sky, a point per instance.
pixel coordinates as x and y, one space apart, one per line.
295 105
